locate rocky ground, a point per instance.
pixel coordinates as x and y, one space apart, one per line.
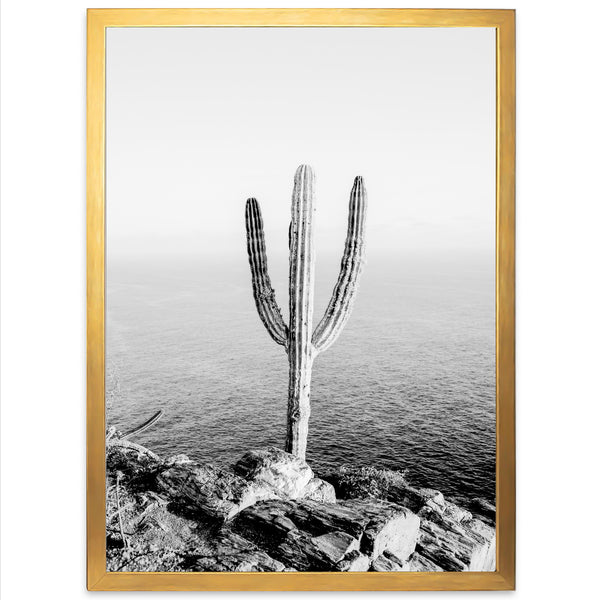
270 512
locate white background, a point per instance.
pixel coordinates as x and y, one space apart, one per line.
43 297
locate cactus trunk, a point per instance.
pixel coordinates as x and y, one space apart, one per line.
302 266
299 340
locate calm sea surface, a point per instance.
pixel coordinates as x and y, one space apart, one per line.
410 383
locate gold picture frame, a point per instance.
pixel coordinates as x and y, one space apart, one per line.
503 21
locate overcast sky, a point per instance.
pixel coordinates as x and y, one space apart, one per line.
199 119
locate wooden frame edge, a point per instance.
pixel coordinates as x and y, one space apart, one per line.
305 581
504 22
95 100
299 17
505 298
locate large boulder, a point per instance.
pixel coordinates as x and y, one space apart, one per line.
311 535
216 493
318 518
306 535
284 472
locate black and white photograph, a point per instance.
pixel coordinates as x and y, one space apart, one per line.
300 299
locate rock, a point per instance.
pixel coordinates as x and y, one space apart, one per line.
284 472
485 510
318 490
215 493
418 498
390 527
234 553
382 564
443 554
319 518
386 562
316 518
131 462
354 561
132 560
299 551
481 529
272 514
403 564
456 513
178 459
335 545
314 535
433 499
265 523
305 535
249 562
145 520
143 535
468 546
420 563
484 557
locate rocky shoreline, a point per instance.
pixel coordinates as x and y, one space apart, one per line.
270 512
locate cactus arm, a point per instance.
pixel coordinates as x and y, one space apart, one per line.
301 294
264 294
340 306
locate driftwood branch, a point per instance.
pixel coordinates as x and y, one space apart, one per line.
153 419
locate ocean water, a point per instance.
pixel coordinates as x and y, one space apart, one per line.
410 383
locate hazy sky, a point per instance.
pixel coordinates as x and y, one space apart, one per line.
199 119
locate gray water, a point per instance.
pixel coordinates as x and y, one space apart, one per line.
410 383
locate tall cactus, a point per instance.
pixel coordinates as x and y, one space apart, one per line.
301 343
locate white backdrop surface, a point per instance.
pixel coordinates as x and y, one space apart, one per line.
43 295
